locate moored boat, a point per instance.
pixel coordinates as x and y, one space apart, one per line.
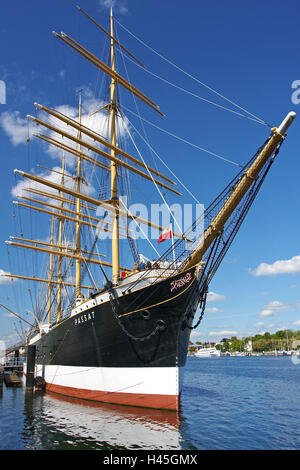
207 352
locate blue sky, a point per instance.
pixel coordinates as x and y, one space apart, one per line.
248 52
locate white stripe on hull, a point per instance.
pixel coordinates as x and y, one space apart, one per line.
151 387
147 380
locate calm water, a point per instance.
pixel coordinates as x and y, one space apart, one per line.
228 403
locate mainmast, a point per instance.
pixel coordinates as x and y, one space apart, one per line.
113 166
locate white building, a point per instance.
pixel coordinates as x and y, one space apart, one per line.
248 346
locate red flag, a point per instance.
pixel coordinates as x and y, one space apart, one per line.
165 234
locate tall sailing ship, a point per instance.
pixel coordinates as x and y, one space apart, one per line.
127 341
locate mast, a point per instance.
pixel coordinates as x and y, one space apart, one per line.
113 166
59 271
50 274
78 205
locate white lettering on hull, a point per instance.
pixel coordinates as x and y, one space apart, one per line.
84 318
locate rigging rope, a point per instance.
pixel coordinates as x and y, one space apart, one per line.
139 227
184 140
169 169
193 94
192 77
150 174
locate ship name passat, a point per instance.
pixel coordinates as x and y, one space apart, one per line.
181 282
83 318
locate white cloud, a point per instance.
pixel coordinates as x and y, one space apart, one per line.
223 333
61 74
15 127
288 266
116 5
213 297
9 340
260 323
297 322
20 189
267 313
98 123
276 305
213 310
4 279
281 328
18 128
196 336
270 308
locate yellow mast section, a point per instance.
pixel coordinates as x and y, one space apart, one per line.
113 166
78 207
65 217
102 66
99 151
49 301
96 137
72 151
38 279
111 37
62 254
90 200
60 234
61 247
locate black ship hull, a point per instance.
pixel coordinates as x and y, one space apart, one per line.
130 350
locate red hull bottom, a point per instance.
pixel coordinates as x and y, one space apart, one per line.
166 402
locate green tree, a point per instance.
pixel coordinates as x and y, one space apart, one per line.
280 334
235 345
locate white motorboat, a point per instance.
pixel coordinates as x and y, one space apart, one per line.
207 352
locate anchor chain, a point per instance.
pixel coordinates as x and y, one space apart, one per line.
160 324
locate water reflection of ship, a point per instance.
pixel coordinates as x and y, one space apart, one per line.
58 422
